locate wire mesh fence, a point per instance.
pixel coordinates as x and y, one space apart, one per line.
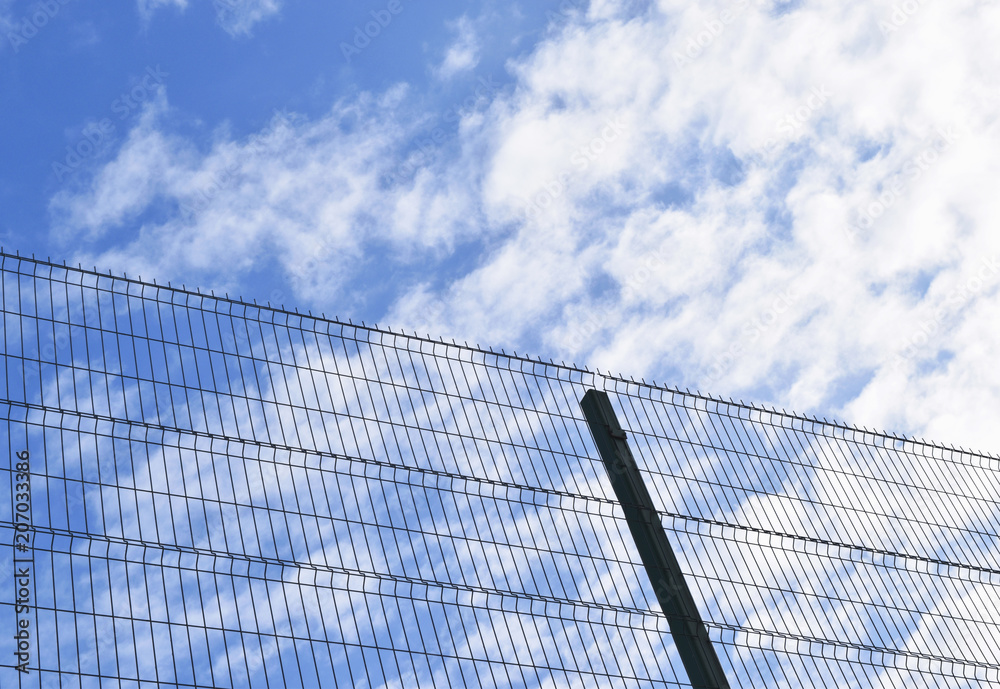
209 493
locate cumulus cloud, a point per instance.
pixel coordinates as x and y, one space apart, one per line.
794 192
769 200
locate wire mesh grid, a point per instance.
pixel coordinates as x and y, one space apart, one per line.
209 493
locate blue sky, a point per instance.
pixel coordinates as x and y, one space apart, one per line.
790 202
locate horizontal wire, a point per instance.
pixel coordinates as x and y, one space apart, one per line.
493 482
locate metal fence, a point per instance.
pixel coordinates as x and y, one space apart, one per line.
209 493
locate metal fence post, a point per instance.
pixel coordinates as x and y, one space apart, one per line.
686 626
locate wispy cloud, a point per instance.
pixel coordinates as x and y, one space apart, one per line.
463 53
6 16
312 191
236 17
703 171
148 7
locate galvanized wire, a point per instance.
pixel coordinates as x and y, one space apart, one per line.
232 495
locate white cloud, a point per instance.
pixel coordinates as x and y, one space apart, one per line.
819 89
721 235
463 54
238 17
310 195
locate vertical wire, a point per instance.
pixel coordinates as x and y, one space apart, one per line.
744 459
